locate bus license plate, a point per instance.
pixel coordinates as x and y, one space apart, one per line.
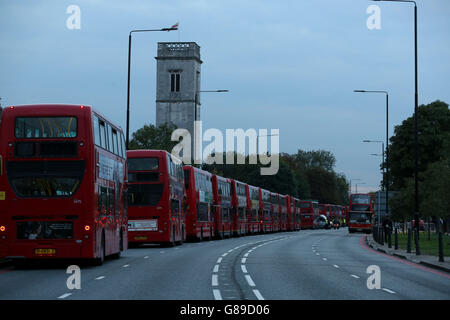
45 252
140 238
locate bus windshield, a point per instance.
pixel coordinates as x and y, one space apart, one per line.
360 207
144 194
45 127
359 217
360 199
143 164
44 179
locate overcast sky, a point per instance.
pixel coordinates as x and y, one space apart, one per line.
289 65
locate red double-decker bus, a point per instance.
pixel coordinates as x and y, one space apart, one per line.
222 206
199 202
360 214
254 209
266 211
297 214
62 190
276 211
155 198
285 209
291 213
309 212
239 196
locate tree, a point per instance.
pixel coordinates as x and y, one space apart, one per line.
402 203
152 137
433 138
435 199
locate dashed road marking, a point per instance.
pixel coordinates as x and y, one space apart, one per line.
387 290
335 265
243 260
214 280
258 294
216 268
100 278
249 280
65 295
243 268
354 276
217 294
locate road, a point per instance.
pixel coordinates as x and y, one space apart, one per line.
310 264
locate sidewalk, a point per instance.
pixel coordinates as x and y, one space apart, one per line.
429 261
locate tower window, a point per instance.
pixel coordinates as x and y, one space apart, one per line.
174 82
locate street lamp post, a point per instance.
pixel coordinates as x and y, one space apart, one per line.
174 27
351 184
416 139
386 163
197 102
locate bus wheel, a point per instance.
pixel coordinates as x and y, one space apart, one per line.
99 261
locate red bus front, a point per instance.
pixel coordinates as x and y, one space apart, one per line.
155 198
284 210
239 196
222 206
199 214
62 186
266 212
360 214
297 217
276 211
253 209
309 211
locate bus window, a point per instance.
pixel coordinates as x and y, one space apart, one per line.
103 142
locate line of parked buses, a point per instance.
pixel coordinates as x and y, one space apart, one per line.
69 189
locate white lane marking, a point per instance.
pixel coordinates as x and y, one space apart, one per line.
217 294
246 255
324 259
249 280
125 266
65 295
225 254
230 250
335 265
354 276
243 260
146 257
214 280
387 290
219 260
317 254
216 268
243 268
100 278
258 294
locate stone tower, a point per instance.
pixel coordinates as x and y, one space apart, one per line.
178 84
